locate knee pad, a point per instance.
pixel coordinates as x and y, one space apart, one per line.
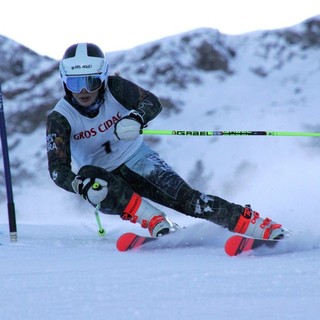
93 172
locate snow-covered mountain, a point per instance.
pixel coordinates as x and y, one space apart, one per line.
266 80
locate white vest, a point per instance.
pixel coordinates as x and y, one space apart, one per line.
89 136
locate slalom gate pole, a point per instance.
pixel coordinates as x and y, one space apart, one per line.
229 133
7 173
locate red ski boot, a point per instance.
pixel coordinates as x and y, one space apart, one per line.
252 225
139 210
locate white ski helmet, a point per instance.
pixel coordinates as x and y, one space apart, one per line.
83 66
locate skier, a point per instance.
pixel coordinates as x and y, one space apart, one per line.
97 126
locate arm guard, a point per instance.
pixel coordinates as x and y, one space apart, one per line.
146 105
58 151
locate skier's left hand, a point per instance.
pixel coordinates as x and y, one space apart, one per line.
129 127
93 190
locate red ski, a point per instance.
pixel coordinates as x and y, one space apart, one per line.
238 244
129 241
235 245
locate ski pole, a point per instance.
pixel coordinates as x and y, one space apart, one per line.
101 229
197 133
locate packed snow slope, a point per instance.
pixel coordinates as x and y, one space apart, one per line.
61 269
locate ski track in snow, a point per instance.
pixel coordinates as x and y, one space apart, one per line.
69 272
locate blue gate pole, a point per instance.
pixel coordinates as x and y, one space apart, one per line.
7 173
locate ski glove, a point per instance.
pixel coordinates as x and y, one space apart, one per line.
93 190
129 127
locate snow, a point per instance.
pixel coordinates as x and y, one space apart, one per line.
69 272
60 268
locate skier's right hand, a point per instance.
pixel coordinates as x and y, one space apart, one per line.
93 190
129 127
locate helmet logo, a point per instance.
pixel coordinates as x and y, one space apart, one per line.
100 68
85 66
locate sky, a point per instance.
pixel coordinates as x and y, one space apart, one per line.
50 27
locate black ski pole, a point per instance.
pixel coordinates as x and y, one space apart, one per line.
7 173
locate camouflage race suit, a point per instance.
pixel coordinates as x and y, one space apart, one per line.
145 173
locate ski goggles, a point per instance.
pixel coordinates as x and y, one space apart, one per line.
90 83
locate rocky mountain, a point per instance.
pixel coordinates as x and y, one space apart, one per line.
265 80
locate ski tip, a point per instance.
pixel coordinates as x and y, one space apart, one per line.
237 244
230 246
124 241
